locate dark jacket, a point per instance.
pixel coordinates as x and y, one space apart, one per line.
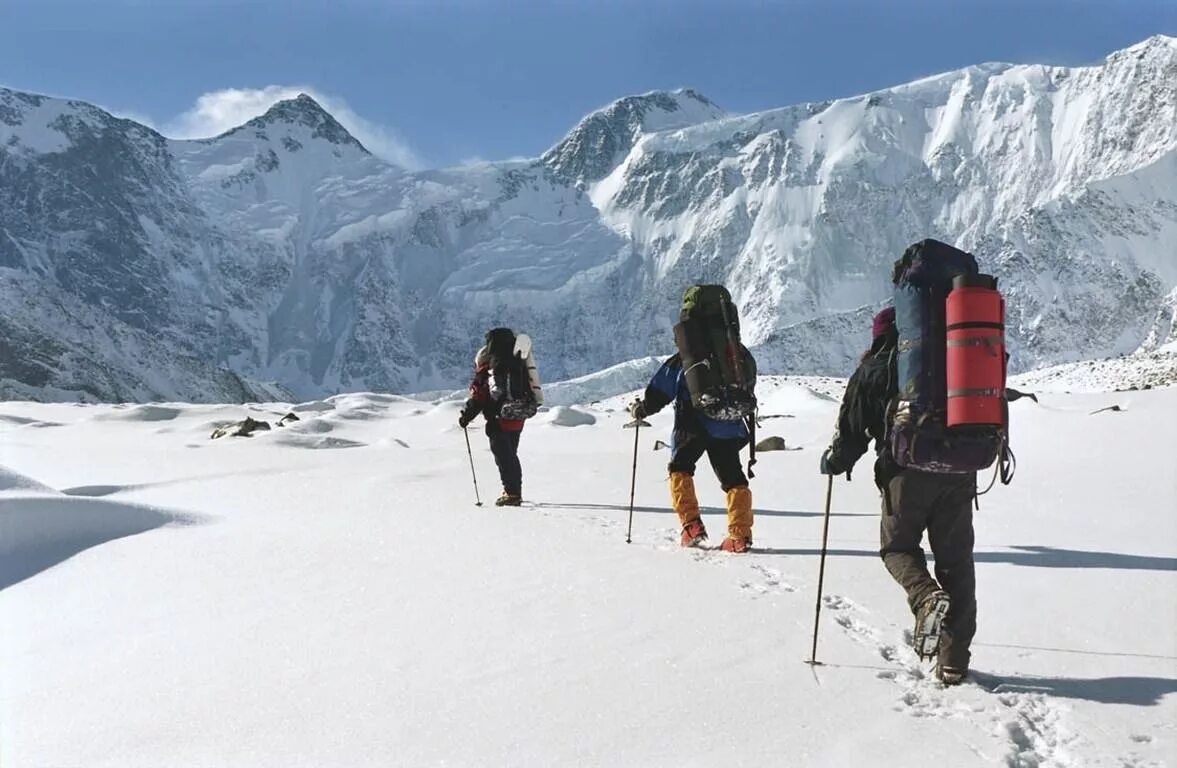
486 397
670 385
863 415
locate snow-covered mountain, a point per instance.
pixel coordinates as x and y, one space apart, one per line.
137 267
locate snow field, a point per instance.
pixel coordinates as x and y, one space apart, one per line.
256 601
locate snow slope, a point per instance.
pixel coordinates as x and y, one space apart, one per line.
623 377
283 256
1132 372
327 594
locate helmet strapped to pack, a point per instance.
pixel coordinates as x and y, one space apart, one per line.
949 414
719 371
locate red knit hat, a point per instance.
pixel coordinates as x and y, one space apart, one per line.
883 322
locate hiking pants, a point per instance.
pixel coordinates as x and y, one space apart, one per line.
915 501
723 454
505 447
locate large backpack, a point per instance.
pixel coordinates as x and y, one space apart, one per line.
514 376
949 413
720 372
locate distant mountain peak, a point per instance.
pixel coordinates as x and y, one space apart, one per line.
303 110
1163 46
590 151
667 101
1154 41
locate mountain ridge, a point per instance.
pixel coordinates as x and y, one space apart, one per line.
283 251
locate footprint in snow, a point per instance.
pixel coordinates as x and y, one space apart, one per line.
1032 724
1029 722
770 582
838 603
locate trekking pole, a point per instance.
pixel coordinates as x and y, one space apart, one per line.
821 572
470 453
636 425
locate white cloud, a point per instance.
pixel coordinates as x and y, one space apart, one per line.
220 111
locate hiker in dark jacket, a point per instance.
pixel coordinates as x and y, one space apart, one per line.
913 501
487 393
694 435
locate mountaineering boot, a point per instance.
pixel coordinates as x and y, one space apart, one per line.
951 675
693 533
739 520
509 500
686 506
928 619
736 545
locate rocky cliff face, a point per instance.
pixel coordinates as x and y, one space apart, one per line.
134 267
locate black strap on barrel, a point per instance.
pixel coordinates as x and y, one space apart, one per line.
980 341
976 324
986 392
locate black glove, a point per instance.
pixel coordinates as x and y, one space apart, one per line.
830 465
464 421
637 409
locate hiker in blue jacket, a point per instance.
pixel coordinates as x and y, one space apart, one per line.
694 435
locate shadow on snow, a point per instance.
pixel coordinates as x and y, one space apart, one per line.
1029 556
703 510
37 533
1136 691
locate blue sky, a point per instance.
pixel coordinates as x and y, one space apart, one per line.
443 82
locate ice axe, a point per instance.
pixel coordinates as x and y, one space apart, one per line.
636 425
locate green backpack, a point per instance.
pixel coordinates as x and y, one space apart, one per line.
720 372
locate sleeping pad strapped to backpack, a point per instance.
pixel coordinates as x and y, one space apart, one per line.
949 414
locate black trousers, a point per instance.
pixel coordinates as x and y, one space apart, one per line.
723 454
942 505
505 447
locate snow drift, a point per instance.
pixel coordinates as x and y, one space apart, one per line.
40 527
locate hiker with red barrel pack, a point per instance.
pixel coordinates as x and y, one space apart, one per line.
711 381
506 391
930 391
